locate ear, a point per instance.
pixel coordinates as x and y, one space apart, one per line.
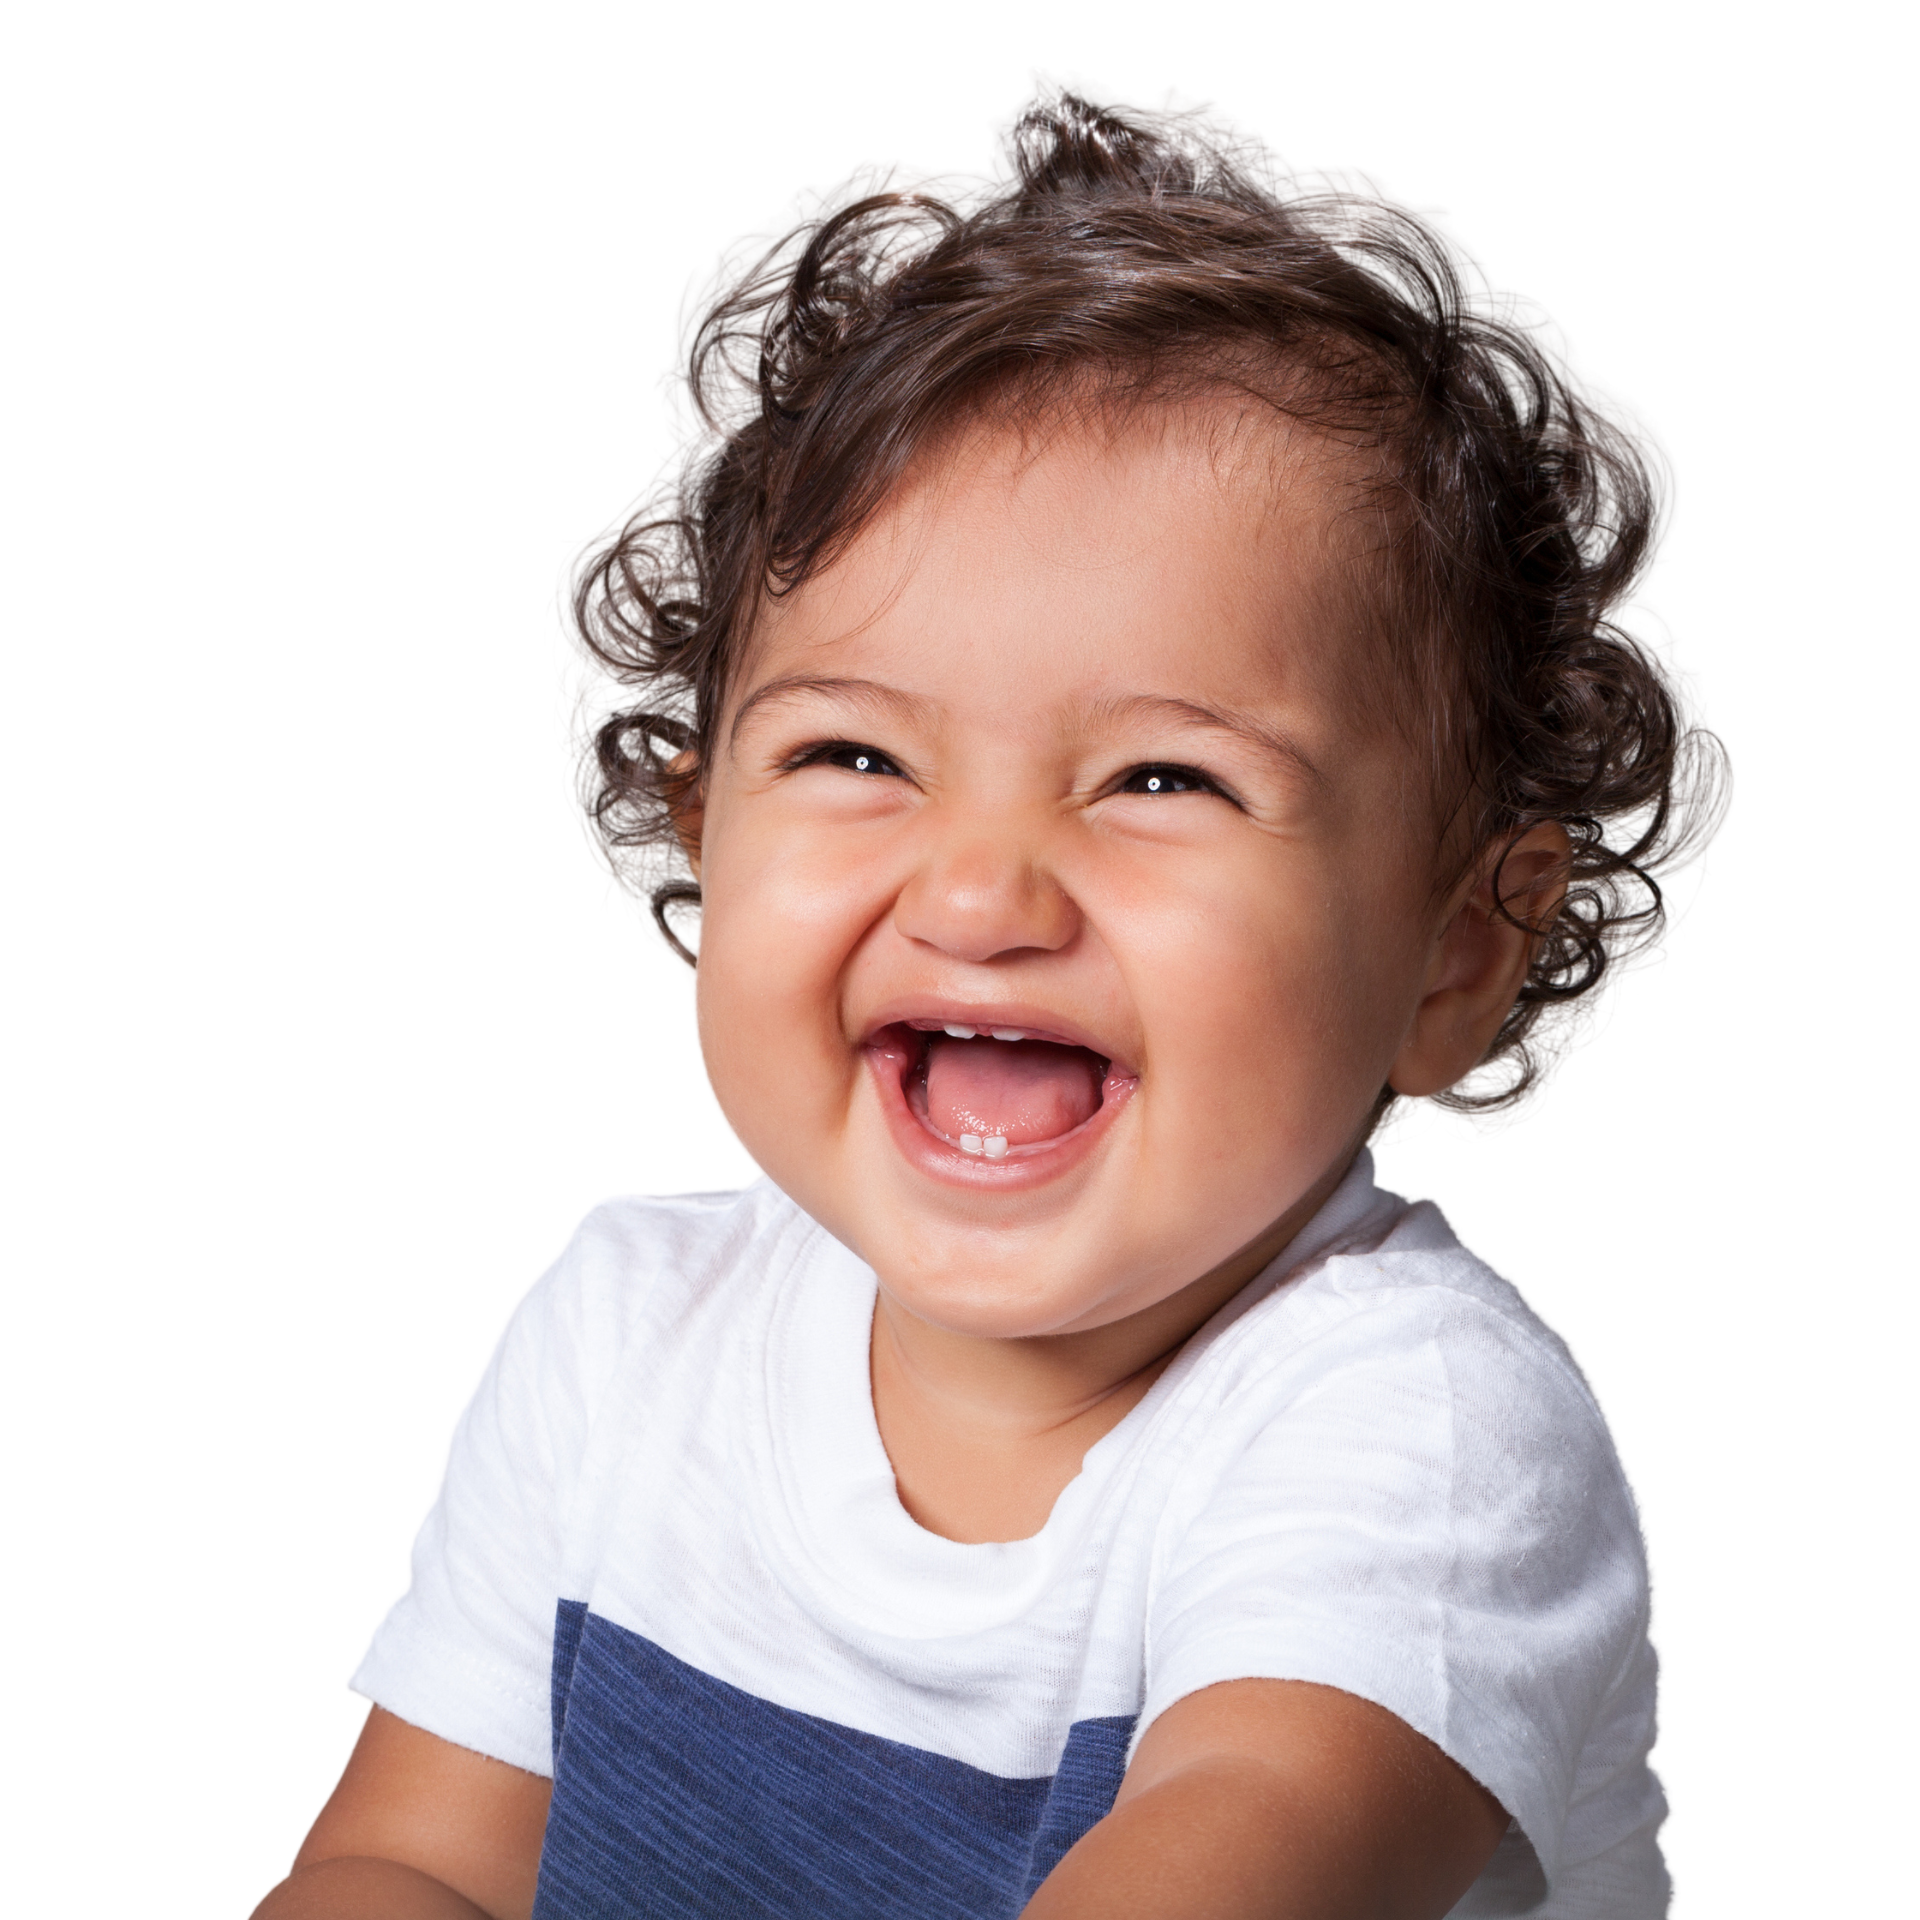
1480 959
688 810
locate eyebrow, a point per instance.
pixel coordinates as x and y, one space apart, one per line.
1271 740
857 693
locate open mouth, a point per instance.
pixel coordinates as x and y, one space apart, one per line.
994 1092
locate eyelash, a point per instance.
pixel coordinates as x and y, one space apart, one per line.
1164 777
849 755
1157 776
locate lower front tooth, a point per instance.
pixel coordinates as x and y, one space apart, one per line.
971 1143
994 1146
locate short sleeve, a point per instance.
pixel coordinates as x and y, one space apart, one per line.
1426 1511
467 1651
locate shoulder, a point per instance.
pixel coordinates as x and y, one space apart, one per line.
1506 1358
626 1332
1407 1289
1422 1265
651 1271
1399 1485
1394 1368
641 1245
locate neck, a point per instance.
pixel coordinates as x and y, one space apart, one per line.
1026 1389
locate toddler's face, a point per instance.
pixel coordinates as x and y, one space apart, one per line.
1067 747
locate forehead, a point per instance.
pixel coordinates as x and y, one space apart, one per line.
1202 549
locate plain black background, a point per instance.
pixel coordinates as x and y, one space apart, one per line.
438 1049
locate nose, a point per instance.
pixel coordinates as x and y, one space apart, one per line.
982 897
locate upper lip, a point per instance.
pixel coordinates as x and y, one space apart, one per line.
1036 1022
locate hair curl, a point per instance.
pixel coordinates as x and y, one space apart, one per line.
1134 256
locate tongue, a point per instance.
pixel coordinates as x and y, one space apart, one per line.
1021 1090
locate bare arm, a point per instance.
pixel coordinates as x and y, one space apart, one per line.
418 1829
1276 1800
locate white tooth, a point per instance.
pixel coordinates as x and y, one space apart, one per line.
970 1143
994 1147
962 1033
1005 1033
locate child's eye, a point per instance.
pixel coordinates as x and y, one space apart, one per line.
856 759
1160 779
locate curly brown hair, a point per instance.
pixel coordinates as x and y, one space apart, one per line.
1133 255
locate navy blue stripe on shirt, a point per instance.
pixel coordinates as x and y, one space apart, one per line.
676 1794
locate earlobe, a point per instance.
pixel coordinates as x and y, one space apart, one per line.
1480 960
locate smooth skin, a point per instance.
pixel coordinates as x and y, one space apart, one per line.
1077 735
418 1829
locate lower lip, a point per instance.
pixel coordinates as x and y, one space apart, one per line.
1033 1165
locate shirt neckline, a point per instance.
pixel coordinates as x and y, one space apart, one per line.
838 1506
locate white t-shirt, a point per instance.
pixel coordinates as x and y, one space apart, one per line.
668 1567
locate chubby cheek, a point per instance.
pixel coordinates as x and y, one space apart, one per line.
776 927
1270 1034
